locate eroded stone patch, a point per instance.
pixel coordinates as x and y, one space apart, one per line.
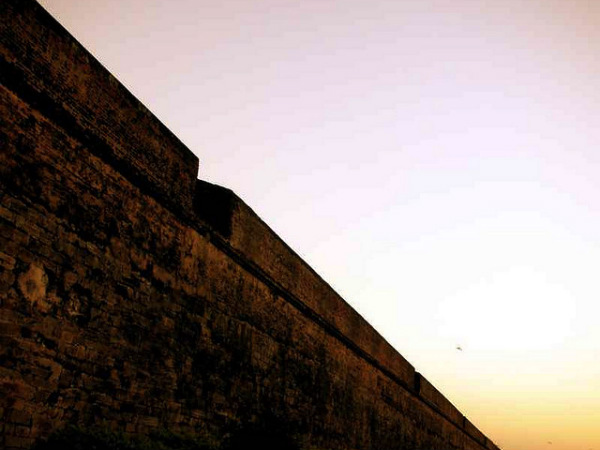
33 283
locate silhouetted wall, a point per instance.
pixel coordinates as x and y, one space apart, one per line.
137 297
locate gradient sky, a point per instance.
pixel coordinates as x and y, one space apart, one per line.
435 161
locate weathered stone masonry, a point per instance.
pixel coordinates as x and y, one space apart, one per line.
134 296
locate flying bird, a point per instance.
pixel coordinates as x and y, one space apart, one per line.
458 347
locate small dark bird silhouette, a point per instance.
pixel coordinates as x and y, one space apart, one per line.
550 442
458 347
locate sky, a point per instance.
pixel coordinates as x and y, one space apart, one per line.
434 161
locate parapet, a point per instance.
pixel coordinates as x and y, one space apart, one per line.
50 69
258 247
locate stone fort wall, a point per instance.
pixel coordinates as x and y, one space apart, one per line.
134 296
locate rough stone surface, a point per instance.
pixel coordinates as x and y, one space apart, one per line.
136 297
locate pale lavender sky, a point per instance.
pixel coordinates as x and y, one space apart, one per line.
435 161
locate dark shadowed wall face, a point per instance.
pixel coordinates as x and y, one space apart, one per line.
137 298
